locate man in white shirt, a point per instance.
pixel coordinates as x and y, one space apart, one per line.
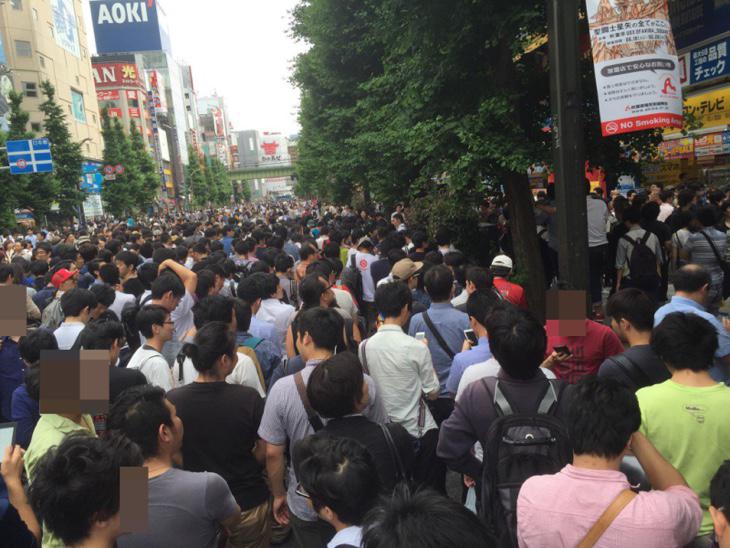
155 324
364 259
665 207
274 311
339 479
109 274
76 305
598 215
402 368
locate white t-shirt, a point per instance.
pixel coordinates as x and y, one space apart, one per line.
351 536
67 333
153 366
245 374
665 210
489 368
120 301
364 261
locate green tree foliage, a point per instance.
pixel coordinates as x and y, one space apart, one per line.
149 178
67 156
195 178
432 102
116 194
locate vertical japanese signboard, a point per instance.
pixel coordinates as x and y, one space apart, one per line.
636 65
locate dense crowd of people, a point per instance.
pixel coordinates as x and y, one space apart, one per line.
310 376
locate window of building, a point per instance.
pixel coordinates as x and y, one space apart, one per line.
93 117
78 82
17 4
35 126
35 14
23 48
133 103
53 32
77 103
83 53
30 89
42 61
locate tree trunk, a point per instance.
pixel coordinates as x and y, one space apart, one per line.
525 241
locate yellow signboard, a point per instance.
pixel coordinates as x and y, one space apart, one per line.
712 109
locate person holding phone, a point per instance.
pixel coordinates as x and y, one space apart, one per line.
476 345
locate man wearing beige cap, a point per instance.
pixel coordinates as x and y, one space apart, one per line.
501 270
406 271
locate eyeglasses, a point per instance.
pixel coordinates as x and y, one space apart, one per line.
301 492
169 322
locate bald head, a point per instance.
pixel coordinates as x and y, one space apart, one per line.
692 278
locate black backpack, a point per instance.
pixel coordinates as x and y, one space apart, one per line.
517 447
352 279
642 263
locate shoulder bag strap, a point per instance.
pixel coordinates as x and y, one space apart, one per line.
548 400
365 357
645 237
720 261
397 461
607 518
439 339
632 371
312 416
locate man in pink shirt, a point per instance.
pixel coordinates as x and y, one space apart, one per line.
560 509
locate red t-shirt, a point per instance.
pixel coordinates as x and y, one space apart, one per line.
589 352
511 292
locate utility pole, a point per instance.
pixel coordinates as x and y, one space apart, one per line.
568 151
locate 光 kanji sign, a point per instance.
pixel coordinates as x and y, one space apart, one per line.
636 65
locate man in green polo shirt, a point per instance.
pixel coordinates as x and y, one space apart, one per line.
686 417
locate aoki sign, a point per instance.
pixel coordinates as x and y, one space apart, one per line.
127 27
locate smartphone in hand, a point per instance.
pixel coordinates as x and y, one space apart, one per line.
420 335
470 336
563 350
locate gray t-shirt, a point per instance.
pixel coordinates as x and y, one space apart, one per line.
185 510
285 419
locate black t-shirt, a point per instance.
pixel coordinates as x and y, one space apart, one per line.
133 287
644 368
661 231
370 435
221 421
121 378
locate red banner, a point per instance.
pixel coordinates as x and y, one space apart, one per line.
115 112
131 94
638 123
108 95
115 75
134 113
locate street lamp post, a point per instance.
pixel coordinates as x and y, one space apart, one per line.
568 150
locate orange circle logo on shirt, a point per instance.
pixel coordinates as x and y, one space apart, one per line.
363 264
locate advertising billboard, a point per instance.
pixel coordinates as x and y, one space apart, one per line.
116 75
695 21
108 95
711 109
6 86
129 26
636 65
64 21
273 149
709 62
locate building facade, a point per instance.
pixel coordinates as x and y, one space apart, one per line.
46 40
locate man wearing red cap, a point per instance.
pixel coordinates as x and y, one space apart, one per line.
63 280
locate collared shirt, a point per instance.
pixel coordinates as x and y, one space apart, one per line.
278 314
153 366
285 420
264 330
67 333
351 536
559 510
489 368
48 433
682 304
266 352
402 368
451 324
597 212
480 353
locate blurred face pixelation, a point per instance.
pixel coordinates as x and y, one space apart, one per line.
566 313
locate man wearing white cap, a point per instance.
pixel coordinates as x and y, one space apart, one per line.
501 270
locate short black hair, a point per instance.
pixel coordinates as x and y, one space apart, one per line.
216 308
138 413
165 283
324 325
149 316
206 282
34 342
147 273
517 340
720 489
211 342
439 282
390 298
311 289
685 341
74 301
269 285
100 335
650 211
707 216
339 473
480 304
109 273
632 305
423 519
602 417
335 385
104 293
250 289
480 277
6 271
243 312
632 215
691 278
77 483
129 258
